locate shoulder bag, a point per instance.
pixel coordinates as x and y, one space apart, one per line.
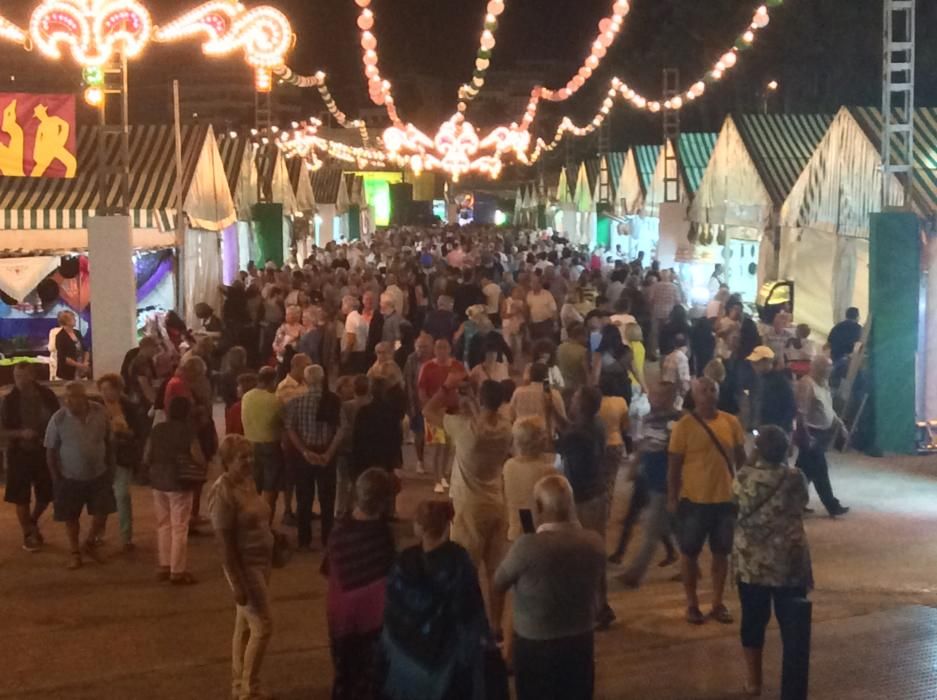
715 441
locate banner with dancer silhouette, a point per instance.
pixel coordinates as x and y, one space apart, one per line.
37 135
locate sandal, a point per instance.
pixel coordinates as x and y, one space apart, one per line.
75 562
695 616
183 579
720 613
162 574
90 548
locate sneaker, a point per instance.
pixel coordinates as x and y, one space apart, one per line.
439 488
445 484
419 468
31 543
838 510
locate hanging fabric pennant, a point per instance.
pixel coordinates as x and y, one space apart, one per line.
76 291
20 276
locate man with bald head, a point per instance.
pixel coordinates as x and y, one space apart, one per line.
706 447
78 451
817 426
312 421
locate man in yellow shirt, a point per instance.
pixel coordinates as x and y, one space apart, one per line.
261 418
706 447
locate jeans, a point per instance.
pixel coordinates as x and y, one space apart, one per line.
313 479
122 479
173 510
656 528
756 611
554 669
253 627
812 461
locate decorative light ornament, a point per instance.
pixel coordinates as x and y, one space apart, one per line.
93 30
94 96
11 32
263 33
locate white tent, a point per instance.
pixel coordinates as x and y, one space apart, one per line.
565 221
754 164
586 219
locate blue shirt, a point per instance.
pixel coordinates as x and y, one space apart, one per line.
81 444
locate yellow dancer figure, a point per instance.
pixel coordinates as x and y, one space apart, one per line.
51 140
11 156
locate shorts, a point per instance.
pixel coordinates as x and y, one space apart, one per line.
28 473
269 467
72 496
697 522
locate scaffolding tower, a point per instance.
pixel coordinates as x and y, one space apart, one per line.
671 119
898 99
114 142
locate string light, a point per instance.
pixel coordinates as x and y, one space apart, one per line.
379 90
263 33
304 141
486 45
93 30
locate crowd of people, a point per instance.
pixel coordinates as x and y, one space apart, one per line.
530 377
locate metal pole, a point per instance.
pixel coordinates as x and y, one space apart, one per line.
180 215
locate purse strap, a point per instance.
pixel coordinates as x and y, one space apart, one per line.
715 441
763 502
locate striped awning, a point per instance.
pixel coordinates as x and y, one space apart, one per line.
326 183
47 203
616 163
924 191
593 169
646 159
232 150
780 145
694 150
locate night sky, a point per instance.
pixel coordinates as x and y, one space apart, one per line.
824 52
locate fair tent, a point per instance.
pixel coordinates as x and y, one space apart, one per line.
693 152
636 172
585 208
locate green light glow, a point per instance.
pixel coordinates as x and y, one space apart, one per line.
377 189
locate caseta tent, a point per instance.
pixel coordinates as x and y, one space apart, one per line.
332 203
565 219
585 209
40 216
825 221
636 174
754 165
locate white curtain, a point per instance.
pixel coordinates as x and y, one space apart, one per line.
20 276
202 271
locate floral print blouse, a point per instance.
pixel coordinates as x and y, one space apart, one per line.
770 547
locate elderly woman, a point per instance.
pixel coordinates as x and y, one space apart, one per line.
522 472
770 555
360 554
127 440
289 332
173 454
385 366
435 628
72 358
241 519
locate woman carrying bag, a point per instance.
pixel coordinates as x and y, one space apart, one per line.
175 462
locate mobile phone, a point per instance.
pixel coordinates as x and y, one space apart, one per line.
527 521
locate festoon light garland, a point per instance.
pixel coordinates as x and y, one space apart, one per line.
304 141
379 90
486 46
96 31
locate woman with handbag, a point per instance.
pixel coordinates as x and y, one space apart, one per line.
241 519
125 429
770 555
175 462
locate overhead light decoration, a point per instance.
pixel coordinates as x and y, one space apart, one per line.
263 33
486 45
303 141
11 32
94 31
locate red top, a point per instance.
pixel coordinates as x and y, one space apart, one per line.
176 387
232 420
433 376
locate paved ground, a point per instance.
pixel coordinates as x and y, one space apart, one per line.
110 631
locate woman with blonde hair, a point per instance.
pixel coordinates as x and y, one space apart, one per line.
241 519
521 472
289 332
70 352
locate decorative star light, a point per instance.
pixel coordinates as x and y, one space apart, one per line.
94 30
263 33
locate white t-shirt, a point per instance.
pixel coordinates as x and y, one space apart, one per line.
357 325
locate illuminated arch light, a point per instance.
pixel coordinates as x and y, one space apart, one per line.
93 30
263 33
11 32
